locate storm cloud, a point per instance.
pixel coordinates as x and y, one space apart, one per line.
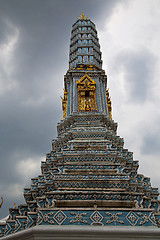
138 68
34 50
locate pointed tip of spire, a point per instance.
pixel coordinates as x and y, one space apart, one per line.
83 16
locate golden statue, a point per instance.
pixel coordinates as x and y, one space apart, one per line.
109 103
87 105
86 94
64 104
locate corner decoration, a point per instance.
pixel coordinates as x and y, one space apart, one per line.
86 94
109 103
64 103
1 202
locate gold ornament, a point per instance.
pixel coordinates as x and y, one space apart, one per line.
86 94
83 16
64 104
109 103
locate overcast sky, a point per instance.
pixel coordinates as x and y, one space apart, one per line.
34 49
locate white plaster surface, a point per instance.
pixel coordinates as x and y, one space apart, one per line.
85 233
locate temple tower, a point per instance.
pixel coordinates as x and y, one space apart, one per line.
88 178
85 81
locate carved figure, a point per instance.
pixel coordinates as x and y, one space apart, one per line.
109 103
86 94
64 103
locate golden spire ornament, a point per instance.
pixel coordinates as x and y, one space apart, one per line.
83 16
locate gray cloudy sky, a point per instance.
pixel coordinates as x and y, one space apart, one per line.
34 46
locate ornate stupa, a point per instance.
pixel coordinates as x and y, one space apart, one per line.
88 178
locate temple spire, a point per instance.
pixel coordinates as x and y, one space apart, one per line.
84 45
85 82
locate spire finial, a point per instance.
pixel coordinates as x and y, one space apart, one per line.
83 16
